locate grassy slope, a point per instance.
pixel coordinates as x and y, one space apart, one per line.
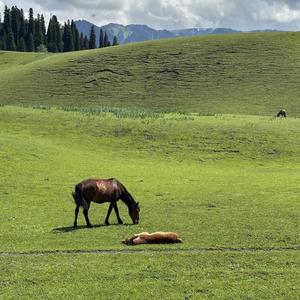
241 73
218 181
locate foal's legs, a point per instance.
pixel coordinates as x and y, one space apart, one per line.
76 215
85 213
111 206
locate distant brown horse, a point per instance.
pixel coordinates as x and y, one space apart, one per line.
158 237
100 191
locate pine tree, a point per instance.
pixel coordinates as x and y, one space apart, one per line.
1 33
10 41
43 29
115 41
54 40
51 39
22 33
75 35
105 40
39 40
38 36
21 45
31 24
81 42
15 23
92 42
30 31
86 42
4 46
7 20
101 39
30 43
68 38
59 43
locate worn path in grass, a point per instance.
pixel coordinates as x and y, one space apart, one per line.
136 251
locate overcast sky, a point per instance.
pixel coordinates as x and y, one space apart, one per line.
173 14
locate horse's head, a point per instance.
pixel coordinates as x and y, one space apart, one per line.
135 213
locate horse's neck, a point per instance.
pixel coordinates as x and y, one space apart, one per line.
127 199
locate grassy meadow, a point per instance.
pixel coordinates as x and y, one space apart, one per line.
241 73
200 150
227 184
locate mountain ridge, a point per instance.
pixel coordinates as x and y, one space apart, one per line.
139 32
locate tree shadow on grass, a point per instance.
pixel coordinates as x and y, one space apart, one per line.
79 227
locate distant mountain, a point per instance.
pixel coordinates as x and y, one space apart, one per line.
137 33
125 34
266 30
202 31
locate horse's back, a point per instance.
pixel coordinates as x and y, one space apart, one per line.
101 190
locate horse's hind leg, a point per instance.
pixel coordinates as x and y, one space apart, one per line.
117 213
76 215
86 215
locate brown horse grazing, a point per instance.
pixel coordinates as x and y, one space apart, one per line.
158 237
100 191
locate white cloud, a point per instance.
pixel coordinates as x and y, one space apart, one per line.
171 14
279 12
1 7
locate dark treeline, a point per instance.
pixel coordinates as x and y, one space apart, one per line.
20 34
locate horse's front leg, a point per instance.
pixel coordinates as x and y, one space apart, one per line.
76 215
117 213
108 213
86 215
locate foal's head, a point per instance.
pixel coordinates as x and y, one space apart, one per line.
134 213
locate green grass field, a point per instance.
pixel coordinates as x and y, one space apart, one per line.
227 184
188 126
241 74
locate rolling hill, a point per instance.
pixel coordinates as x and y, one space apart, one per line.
253 73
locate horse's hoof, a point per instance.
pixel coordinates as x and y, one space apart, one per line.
107 223
75 226
89 226
120 222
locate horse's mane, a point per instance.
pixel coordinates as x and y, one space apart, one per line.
126 196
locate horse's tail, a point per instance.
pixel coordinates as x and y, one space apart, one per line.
78 196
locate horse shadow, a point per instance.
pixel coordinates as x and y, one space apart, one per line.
80 227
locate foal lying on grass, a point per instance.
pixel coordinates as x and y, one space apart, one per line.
158 237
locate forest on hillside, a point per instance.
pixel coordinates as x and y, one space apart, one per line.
18 33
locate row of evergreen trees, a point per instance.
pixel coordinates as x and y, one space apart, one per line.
20 34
